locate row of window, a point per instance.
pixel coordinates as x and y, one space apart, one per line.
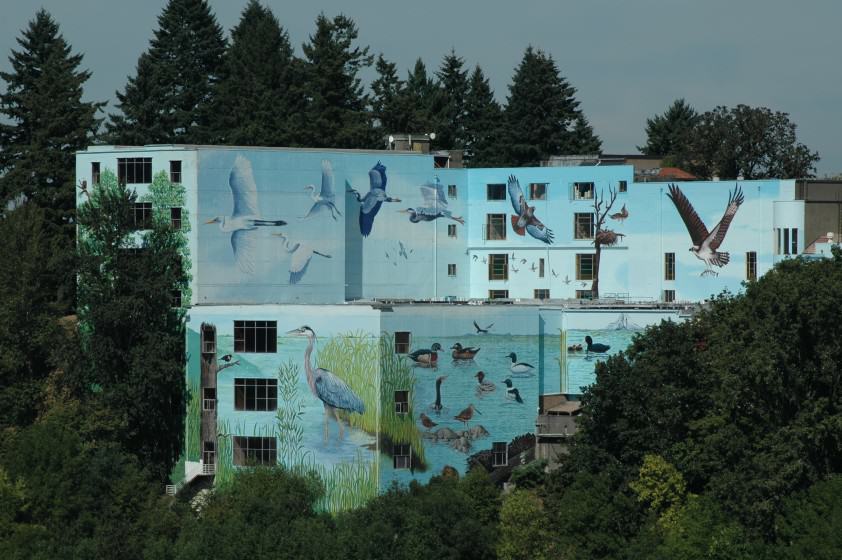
669 267
538 191
584 226
138 170
498 266
142 216
786 241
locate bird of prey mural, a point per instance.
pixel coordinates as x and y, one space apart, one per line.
621 215
325 199
706 243
245 220
375 197
435 205
525 220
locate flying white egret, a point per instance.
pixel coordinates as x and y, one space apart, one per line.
326 198
245 220
300 255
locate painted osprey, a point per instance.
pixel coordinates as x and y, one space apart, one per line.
706 243
525 220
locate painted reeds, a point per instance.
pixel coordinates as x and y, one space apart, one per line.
291 450
194 422
224 455
347 485
397 376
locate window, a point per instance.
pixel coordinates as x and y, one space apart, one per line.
751 265
669 266
401 402
175 218
584 294
255 394
499 454
403 456
209 452
542 294
794 249
134 170
402 342
209 398
208 339
537 191
623 186
498 266
249 451
496 191
786 241
451 270
451 230
498 294
142 215
94 172
583 191
583 225
584 267
175 298
256 336
175 171
540 268
451 191
778 241
495 227
669 296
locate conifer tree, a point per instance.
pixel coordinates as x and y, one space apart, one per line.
169 98
335 115
255 95
387 90
670 134
482 123
421 101
47 122
584 138
541 112
453 82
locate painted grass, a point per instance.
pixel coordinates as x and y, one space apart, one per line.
290 429
224 455
194 422
397 375
347 485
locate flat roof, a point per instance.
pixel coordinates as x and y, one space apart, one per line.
101 148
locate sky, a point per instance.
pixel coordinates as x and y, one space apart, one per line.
627 60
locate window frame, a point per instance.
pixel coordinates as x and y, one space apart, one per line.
402 347
266 447
255 394
451 230
492 263
175 174
577 226
668 296
176 214
402 456
538 191
579 258
498 227
751 266
451 270
498 294
134 170
242 329
545 292
578 193
144 210
541 267
208 399
451 191
401 402
498 190
499 454
208 346
622 186
584 294
669 267
96 172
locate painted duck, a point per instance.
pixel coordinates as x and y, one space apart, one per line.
466 415
427 357
596 348
574 348
427 422
437 406
511 392
519 367
484 386
460 353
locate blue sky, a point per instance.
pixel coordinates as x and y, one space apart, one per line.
628 60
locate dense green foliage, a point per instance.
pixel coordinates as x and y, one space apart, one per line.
670 134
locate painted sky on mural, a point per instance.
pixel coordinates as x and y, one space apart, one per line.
627 60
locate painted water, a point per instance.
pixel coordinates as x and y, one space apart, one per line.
580 364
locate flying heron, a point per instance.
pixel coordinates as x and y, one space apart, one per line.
371 202
325 199
301 253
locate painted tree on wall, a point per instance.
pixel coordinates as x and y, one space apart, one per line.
602 237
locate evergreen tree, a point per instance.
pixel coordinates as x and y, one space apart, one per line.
169 99
541 112
255 98
482 123
453 83
385 103
133 342
670 134
335 115
421 101
584 139
47 122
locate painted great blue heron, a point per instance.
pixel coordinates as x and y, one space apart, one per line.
244 221
327 387
300 255
326 197
375 197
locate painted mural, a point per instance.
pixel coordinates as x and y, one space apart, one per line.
434 205
525 220
371 201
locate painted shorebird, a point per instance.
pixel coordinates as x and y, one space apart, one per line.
466 415
706 243
427 422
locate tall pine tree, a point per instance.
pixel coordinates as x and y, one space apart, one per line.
420 101
255 95
482 123
541 113
453 81
169 99
387 90
47 123
336 113
671 134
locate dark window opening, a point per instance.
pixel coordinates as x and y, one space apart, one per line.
451 191
256 336
209 398
451 230
401 402
402 456
142 212
175 298
208 339
134 170
256 394
751 265
542 293
500 454
583 191
250 451
175 171
495 227
95 173
175 218
584 267
583 225
584 294
540 268
451 270
538 191
498 294
402 339
623 186
496 191
498 266
669 296
669 266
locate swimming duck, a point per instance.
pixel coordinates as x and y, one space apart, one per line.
426 357
484 386
511 392
466 415
595 348
519 367
574 348
460 353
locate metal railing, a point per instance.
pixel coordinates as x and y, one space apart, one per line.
208 468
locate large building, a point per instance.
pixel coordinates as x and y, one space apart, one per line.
316 274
